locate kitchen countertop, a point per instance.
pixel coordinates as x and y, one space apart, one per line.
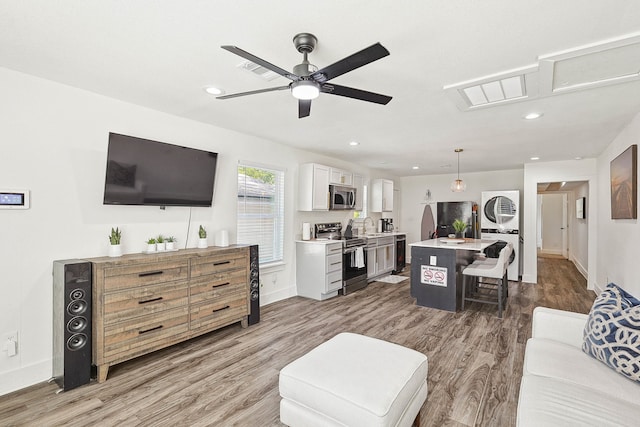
468 245
364 236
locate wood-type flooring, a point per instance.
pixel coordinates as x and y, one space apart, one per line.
230 377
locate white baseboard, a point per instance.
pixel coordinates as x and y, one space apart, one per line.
580 267
266 299
24 377
551 251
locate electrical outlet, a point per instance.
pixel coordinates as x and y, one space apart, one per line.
6 340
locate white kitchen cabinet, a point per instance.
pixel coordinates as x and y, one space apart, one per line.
340 177
380 256
318 269
358 183
382 195
313 187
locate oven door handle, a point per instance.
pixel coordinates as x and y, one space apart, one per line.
350 250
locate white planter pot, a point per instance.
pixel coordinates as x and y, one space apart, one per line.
161 246
151 247
171 246
202 243
115 250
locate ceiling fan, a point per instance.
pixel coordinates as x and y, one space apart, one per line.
307 81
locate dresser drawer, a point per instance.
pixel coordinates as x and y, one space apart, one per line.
130 303
213 264
132 276
220 312
333 281
132 335
218 285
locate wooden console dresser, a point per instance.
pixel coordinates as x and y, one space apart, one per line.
145 302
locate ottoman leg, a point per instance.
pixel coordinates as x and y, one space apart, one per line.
416 422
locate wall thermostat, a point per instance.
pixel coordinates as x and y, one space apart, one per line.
14 199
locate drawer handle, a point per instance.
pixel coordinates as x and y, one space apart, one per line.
222 263
220 309
149 330
150 300
336 281
221 284
336 263
150 273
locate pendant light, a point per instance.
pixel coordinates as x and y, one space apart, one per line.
458 185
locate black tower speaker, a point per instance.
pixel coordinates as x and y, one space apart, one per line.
254 277
71 323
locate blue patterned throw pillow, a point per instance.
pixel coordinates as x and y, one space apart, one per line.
612 332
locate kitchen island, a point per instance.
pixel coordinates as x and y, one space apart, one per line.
436 270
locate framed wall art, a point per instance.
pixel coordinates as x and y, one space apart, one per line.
624 184
580 208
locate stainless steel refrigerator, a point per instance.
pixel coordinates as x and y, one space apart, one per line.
447 212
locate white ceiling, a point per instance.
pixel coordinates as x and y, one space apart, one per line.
161 54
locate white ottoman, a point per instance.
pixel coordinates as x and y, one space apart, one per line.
353 380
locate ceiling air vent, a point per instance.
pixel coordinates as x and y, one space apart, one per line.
598 64
519 84
258 70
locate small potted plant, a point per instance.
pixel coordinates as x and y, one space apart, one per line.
160 244
202 242
151 245
115 250
171 243
460 226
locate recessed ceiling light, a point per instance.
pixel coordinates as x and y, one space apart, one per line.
578 158
535 158
354 143
211 90
533 116
415 167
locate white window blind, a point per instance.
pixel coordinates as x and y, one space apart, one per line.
261 210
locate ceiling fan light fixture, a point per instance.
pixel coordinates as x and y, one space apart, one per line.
458 185
305 89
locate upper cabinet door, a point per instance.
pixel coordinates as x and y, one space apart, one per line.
340 177
382 195
313 187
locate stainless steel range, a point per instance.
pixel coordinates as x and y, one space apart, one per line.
354 256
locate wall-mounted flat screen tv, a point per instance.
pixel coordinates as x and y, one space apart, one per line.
145 172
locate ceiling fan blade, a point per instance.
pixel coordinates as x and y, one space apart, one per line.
350 92
252 92
304 108
357 60
262 62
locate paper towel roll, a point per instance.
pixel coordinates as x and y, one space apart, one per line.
222 238
306 231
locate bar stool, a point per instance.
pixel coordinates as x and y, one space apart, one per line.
487 292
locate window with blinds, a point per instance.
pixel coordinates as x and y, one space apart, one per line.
261 210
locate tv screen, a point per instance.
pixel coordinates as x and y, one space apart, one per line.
145 172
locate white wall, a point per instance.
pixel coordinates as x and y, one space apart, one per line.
618 240
54 142
572 170
579 231
415 187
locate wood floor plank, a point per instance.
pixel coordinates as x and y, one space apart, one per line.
230 377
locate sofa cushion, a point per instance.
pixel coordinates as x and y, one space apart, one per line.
547 401
553 359
612 332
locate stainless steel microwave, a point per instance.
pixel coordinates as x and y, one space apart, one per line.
341 198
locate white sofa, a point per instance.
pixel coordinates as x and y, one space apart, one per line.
562 386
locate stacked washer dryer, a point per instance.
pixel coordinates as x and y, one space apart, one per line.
500 220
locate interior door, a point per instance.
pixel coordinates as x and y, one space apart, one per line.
565 227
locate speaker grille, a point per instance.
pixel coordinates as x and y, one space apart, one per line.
76 342
254 284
